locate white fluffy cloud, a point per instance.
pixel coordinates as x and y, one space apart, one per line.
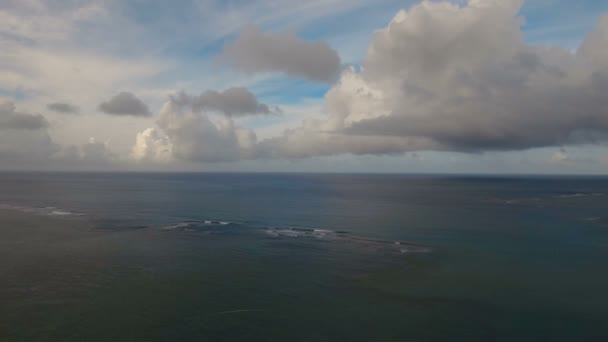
187 134
438 77
151 145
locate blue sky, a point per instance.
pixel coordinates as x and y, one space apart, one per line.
85 52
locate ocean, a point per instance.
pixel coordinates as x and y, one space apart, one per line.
302 257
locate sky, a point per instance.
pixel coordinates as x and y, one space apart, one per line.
409 86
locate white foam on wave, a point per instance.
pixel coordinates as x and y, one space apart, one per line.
572 195
582 194
278 232
45 211
60 213
312 235
363 243
220 223
176 226
323 231
193 225
302 232
523 200
331 235
594 218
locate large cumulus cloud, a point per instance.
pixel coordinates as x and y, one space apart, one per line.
187 134
152 145
440 77
447 77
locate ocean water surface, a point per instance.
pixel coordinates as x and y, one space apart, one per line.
302 257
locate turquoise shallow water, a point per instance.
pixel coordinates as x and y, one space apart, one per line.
191 257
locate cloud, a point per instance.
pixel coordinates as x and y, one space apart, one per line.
25 141
23 137
50 72
560 156
460 78
96 152
594 45
476 86
13 120
151 145
87 156
188 130
312 139
256 51
62 107
69 153
125 104
233 102
439 77
191 135
26 145
573 158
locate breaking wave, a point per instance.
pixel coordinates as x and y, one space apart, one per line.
216 227
288 233
342 236
196 225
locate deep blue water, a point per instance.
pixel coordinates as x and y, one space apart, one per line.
304 257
